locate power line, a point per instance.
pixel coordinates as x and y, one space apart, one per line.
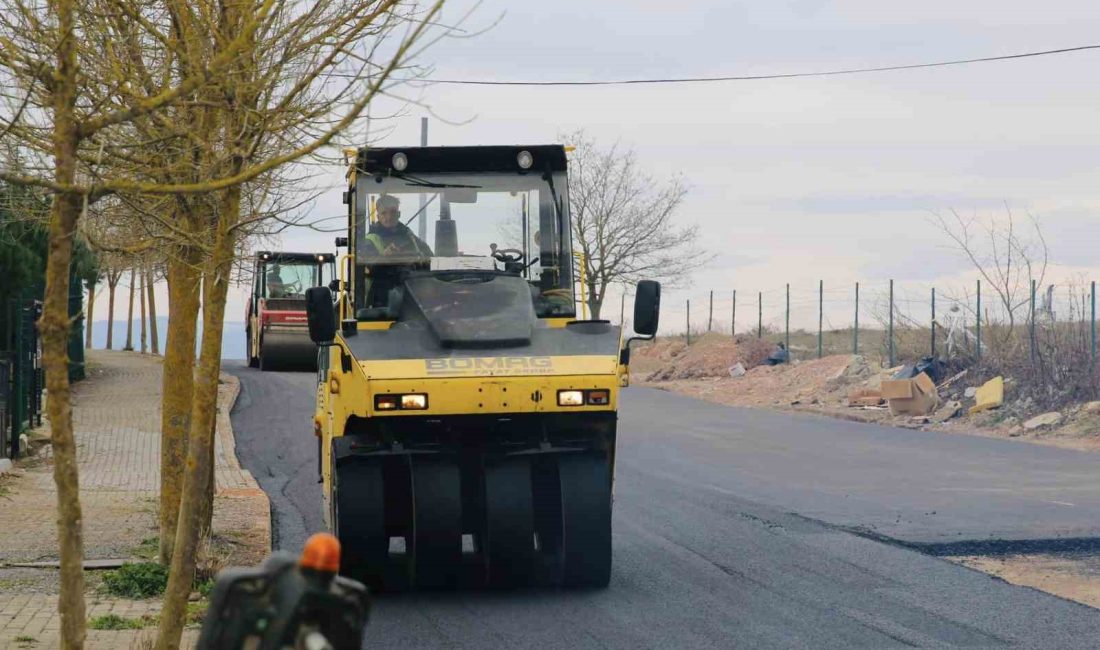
789 75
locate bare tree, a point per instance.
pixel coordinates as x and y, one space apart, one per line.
625 221
1007 259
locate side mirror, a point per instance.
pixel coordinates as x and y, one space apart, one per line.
647 307
320 315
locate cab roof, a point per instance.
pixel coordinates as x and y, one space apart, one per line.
281 256
371 160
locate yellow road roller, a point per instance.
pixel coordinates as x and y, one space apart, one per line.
466 418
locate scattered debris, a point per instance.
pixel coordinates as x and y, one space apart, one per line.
907 371
857 368
864 397
953 379
932 367
915 396
737 370
970 392
1045 420
990 396
949 410
781 355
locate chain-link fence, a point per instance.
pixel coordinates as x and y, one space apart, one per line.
1046 333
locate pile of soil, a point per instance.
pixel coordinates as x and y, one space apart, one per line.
711 356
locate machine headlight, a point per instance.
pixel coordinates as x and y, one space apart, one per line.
400 161
524 159
403 402
570 398
414 402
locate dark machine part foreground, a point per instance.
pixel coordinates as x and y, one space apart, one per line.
276 332
287 602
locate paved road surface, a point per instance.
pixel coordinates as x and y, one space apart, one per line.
733 528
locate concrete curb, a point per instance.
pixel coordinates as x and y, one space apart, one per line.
228 442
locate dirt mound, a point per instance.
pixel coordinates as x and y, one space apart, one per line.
711 356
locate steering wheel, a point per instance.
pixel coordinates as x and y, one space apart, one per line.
507 255
292 288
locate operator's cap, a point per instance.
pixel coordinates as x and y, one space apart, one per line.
321 553
387 201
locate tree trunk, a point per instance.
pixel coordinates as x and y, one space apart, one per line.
150 287
595 301
54 330
177 387
130 316
91 314
141 300
215 286
111 287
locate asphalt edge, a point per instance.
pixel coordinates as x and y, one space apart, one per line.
227 399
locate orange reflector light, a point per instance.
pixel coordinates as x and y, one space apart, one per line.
385 402
321 553
599 397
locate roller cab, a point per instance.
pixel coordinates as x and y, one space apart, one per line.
466 419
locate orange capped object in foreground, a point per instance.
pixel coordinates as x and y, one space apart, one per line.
321 553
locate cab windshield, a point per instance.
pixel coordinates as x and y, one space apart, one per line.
290 279
502 222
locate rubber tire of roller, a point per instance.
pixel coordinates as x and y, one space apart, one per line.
359 520
437 521
586 520
509 527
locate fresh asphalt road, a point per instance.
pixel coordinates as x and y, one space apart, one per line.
743 528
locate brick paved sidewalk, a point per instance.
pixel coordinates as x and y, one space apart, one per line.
116 414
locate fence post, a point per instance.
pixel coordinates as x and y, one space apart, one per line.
688 330
890 329
978 321
855 330
710 313
733 316
760 315
820 312
1031 323
933 323
787 336
1092 323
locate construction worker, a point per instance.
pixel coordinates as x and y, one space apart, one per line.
389 237
275 286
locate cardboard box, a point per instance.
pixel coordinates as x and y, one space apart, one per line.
916 396
865 397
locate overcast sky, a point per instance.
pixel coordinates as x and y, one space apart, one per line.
803 179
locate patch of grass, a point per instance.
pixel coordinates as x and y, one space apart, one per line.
196 612
148 549
115 622
205 587
25 640
137 580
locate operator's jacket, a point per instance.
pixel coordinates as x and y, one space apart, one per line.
408 247
400 236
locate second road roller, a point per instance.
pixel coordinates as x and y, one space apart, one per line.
466 417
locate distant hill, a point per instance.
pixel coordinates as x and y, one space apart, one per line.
233 343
